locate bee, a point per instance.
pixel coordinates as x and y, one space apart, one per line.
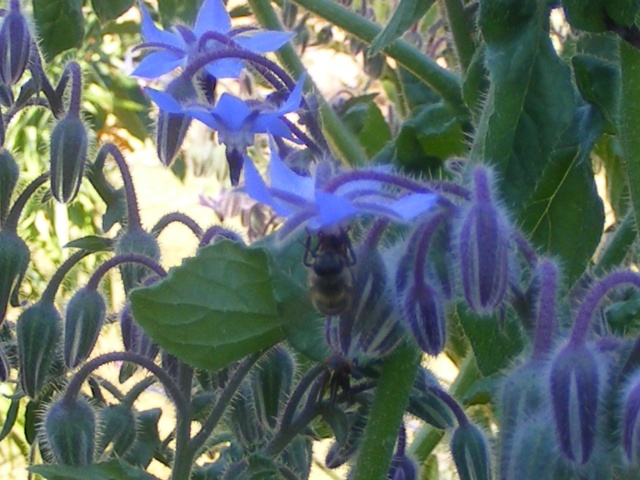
330 278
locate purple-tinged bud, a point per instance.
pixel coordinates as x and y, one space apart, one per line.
402 468
244 422
139 242
483 248
71 431
117 428
38 330
341 452
83 321
5 366
15 45
9 172
14 260
271 384
172 127
576 385
298 456
422 310
6 95
531 453
470 452
134 338
69 145
631 422
427 406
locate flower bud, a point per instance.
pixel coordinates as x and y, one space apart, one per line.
83 321
9 173
117 428
341 452
69 144
142 243
298 456
631 422
71 430
134 338
576 385
38 330
470 452
243 421
14 260
422 310
531 451
427 406
271 385
15 45
4 365
172 127
402 468
483 249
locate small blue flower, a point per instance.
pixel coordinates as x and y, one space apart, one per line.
212 31
324 200
236 122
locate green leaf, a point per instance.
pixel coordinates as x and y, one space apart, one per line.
115 469
225 303
530 100
404 16
565 215
431 136
495 342
364 118
598 81
147 440
110 9
60 25
181 10
10 418
629 127
92 243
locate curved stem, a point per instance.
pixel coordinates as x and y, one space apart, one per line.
389 403
546 317
452 404
49 293
593 299
459 26
73 389
178 217
444 82
11 222
133 216
75 98
227 394
100 272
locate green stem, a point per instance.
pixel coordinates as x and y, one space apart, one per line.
459 26
444 82
389 403
618 246
342 141
428 437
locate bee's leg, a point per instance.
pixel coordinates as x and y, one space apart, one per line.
307 251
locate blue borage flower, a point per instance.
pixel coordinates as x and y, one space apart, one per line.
327 199
236 121
211 31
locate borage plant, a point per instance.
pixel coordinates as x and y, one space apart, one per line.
469 234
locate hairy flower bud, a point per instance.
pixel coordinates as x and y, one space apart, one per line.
83 321
38 330
531 451
14 260
422 310
271 384
402 468
427 406
470 451
631 422
244 422
576 385
71 430
134 337
142 243
15 45
69 145
117 428
483 248
9 173
172 127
